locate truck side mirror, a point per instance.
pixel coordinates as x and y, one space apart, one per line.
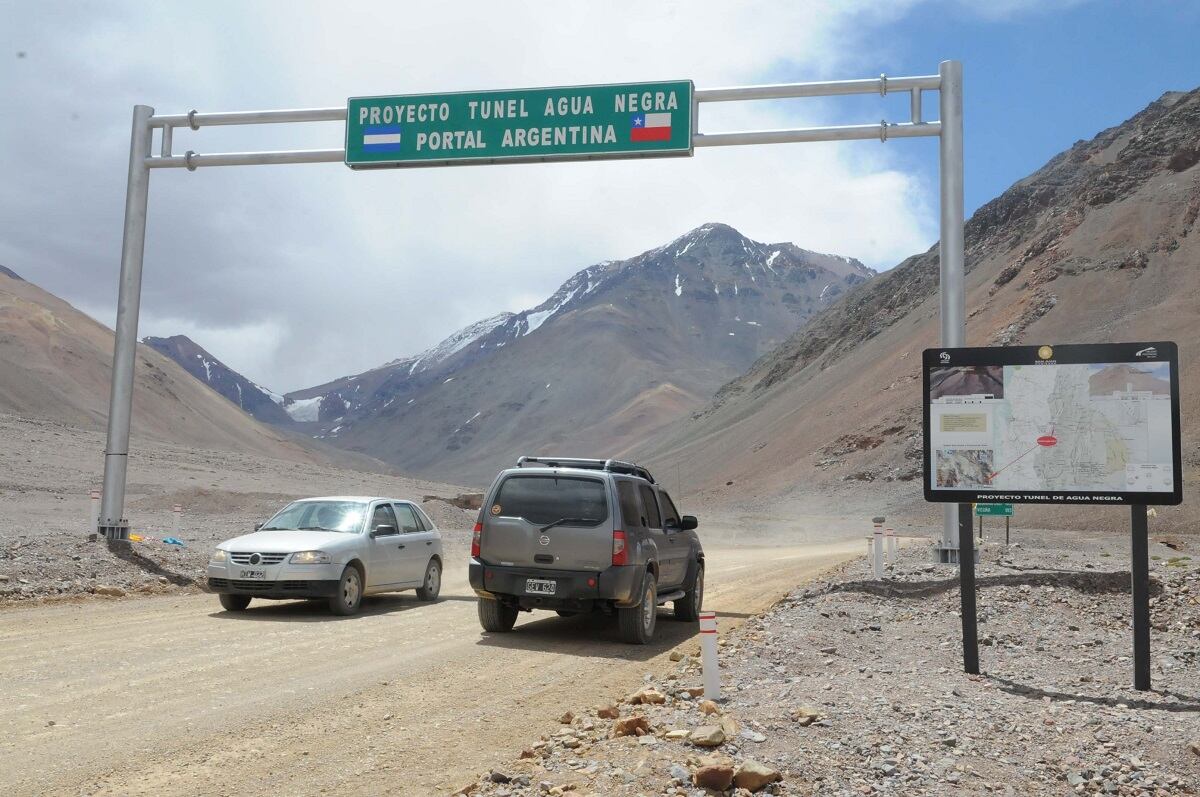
688 522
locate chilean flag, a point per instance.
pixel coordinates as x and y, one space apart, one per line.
650 127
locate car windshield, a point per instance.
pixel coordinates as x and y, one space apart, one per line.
345 516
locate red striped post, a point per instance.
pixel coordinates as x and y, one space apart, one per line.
708 651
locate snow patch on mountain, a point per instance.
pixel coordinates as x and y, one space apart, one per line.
304 410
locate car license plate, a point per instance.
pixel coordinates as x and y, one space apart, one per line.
540 586
253 575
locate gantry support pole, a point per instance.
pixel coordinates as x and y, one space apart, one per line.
950 248
112 523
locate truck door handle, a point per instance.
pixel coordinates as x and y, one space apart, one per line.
429 542
401 545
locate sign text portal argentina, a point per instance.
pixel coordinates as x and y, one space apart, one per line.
634 120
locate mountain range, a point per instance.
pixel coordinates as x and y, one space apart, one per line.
621 349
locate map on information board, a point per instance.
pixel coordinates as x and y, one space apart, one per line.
1053 424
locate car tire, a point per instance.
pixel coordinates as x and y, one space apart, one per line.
234 603
432 585
495 616
637 622
348 598
688 607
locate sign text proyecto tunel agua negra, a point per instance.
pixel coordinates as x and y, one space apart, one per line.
634 120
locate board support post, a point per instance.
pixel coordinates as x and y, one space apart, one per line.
1139 564
966 578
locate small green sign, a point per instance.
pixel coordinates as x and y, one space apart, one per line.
1005 510
634 120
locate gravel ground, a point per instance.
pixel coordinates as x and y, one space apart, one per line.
853 686
45 551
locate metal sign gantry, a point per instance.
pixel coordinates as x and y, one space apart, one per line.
142 160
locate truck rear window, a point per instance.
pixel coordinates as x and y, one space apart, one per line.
545 499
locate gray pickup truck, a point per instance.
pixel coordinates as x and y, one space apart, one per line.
581 535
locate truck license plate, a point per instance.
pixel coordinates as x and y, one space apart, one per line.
540 586
254 575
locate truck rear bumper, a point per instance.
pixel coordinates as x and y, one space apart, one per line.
574 590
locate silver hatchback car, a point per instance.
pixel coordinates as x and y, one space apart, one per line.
339 547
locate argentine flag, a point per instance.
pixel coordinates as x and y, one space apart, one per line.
381 138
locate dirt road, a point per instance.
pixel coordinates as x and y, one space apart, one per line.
170 696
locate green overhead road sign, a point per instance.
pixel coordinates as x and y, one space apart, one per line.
1004 510
633 120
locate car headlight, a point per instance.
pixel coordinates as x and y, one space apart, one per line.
310 558
219 555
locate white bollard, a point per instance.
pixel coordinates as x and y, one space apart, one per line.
878 541
178 511
95 509
708 654
891 546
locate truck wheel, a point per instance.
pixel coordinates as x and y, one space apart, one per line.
429 589
234 603
348 597
495 616
637 622
687 608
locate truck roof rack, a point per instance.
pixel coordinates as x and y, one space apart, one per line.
610 465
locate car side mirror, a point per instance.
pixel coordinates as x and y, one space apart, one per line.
383 530
688 522
257 526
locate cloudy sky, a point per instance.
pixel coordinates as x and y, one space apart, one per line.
298 274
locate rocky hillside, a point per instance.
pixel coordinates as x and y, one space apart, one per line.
1100 244
253 398
56 364
620 350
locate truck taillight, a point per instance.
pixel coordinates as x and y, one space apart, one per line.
476 533
620 556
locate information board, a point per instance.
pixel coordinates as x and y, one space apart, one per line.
631 120
1071 424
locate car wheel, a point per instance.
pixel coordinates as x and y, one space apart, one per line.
495 616
348 597
234 603
637 622
432 585
687 608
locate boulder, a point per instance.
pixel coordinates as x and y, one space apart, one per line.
717 777
636 725
105 589
609 712
648 695
707 736
753 776
729 727
806 715
708 707
567 719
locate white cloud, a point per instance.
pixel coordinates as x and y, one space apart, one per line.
300 274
